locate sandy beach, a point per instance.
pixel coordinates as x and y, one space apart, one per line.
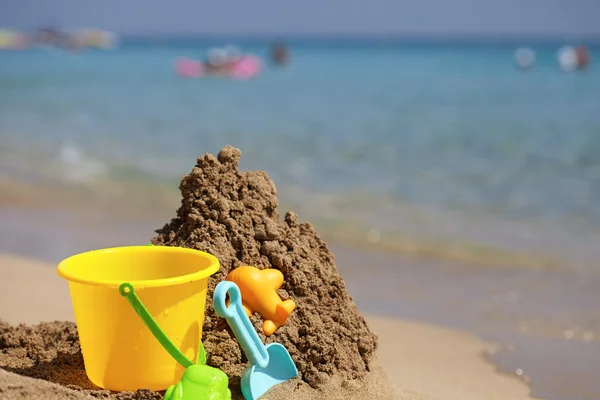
421 361
444 329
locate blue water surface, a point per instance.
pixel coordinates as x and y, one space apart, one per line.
426 139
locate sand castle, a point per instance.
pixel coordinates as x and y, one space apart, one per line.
233 216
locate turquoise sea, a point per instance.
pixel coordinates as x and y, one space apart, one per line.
437 143
469 173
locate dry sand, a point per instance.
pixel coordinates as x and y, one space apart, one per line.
422 361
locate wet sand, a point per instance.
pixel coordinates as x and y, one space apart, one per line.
545 322
422 361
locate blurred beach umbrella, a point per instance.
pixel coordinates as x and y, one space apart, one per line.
12 40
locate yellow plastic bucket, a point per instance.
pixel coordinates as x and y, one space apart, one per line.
119 351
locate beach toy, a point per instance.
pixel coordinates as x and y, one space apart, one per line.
259 293
270 365
119 352
199 381
247 67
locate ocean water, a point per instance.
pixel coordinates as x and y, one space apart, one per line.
446 147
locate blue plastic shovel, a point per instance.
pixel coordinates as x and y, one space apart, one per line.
270 365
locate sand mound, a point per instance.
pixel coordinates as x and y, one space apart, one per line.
233 215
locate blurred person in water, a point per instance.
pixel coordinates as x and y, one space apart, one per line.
280 54
222 60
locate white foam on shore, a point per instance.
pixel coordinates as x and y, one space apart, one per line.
77 167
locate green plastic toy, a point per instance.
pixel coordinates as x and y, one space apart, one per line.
199 381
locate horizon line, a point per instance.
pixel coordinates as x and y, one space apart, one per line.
339 35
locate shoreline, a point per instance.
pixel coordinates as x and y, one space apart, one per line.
149 208
422 361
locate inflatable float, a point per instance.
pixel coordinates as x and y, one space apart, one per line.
246 67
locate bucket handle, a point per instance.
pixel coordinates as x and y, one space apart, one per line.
127 290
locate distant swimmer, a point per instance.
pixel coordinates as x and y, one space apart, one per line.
232 54
524 58
218 60
573 58
280 54
583 56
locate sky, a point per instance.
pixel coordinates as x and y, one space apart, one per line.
390 17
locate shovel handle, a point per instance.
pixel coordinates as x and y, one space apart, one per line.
240 324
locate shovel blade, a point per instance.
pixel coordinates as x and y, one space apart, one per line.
257 381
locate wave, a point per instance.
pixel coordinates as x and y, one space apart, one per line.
87 184
364 219
77 167
440 249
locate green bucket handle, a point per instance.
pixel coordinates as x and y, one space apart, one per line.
128 291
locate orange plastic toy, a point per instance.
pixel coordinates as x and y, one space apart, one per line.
259 293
